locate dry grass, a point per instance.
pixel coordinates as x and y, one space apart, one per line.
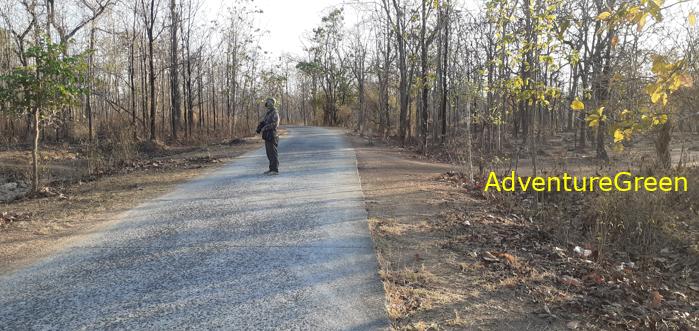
424 249
645 223
654 234
432 233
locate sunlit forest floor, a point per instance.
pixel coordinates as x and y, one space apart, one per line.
453 257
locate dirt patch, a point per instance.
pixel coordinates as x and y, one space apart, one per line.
453 258
429 240
80 203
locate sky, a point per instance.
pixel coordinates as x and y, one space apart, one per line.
288 21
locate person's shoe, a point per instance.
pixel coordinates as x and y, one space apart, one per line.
267 172
273 173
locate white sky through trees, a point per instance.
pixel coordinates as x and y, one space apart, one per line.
288 22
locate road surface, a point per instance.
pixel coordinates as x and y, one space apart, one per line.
233 250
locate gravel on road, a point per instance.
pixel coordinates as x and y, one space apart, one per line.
234 250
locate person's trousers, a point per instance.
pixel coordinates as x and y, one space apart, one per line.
272 153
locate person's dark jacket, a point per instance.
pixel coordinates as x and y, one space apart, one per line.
268 126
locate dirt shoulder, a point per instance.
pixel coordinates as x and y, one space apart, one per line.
452 258
430 240
31 229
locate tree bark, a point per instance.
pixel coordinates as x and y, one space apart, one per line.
88 95
424 115
35 150
445 72
174 72
151 68
662 145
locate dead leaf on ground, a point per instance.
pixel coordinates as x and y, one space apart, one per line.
594 277
655 299
489 257
573 325
511 259
570 281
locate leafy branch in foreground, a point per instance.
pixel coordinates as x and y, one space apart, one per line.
668 77
49 83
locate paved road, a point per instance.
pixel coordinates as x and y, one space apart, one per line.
234 250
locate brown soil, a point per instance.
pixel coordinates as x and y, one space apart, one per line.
452 259
77 204
431 258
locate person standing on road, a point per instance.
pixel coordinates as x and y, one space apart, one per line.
268 128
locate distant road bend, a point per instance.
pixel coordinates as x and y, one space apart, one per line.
233 250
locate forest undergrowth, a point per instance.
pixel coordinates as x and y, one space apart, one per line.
621 260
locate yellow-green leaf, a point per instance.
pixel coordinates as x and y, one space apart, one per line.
658 120
594 118
577 105
641 23
655 8
675 82
660 64
652 88
603 16
692 19
659 96
618 136
632 12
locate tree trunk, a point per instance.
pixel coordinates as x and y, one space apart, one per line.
190 98
213 96
445 72
132 85
151 83
400 34
88 95
174 73
362 106
424 115
35 151
662 145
